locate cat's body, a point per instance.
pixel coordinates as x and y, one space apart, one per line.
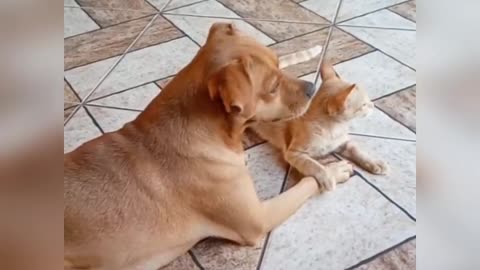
323 129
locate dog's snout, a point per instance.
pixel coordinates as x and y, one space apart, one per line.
309 88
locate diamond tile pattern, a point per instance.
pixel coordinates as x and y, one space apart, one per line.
369 42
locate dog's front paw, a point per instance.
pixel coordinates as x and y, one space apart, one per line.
340 171
377 167
326 182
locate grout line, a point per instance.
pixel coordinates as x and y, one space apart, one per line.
265 243
77 104
130 51
187 5
381 253
244 19
327 41
396 120
93 120
113 107
119 59
373 11
195 260
362 40
381 137
356 172
378 27
394 92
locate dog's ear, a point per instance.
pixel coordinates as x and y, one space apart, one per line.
233 85
336 104
327 71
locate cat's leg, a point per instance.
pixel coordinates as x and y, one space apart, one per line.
352 152
327 176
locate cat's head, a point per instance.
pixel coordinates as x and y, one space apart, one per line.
342 100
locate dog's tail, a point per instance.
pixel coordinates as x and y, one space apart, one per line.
300 56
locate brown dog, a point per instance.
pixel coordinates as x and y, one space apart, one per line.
139 197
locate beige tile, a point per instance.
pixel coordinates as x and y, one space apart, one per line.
407 10
109 12
401 258
136 68
276 10
344 46
113 41
337 229
134 99
401 106
184 262
76 21
111 119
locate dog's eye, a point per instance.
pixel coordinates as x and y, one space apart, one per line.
275 88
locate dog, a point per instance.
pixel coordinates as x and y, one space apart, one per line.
139 197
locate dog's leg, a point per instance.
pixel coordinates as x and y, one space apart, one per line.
351 151
326 176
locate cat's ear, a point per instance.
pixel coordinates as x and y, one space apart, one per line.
327 71
336 104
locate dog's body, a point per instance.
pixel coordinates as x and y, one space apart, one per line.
139 197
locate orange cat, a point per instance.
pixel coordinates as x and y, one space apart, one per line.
323 129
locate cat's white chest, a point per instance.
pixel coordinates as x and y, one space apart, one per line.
325 142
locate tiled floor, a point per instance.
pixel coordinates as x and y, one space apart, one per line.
120 53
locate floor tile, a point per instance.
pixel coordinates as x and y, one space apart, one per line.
383 18
401 106
402 257
400 183
343 46
111 119
380 124
197 28
407 10
113 41
326 233
136 99
396 43
78 130
69 98
185 262
149 64
268 173
284 10
377 73
163 82
110 12
76 21
348 9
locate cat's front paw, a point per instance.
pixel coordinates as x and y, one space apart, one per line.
325 181
340 171
377 167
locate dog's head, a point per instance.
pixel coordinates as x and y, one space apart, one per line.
248 80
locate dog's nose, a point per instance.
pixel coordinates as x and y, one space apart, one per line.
309 88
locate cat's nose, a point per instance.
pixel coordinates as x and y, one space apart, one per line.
309 88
